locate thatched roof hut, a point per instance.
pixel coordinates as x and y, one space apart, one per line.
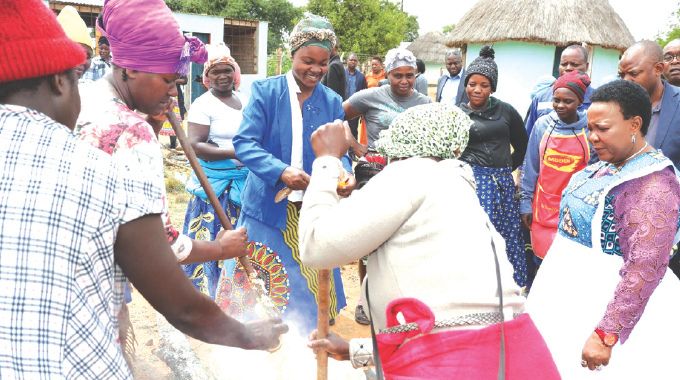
429 47
530 35
554 22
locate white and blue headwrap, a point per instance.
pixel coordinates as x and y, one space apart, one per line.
399 57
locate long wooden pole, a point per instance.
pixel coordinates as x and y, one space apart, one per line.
322 325
193 161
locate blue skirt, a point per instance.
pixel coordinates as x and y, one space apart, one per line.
201 223
496 192
292 286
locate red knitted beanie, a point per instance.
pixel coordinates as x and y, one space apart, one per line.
575 81
32 43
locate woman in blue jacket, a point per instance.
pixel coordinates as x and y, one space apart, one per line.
274 143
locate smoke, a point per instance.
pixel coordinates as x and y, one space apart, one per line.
294 360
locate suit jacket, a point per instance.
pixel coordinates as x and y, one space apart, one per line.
360 82
264 142
668 132
461 96
335 76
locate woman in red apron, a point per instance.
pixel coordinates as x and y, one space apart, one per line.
558 148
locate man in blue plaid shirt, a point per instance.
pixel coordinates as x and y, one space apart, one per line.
73 225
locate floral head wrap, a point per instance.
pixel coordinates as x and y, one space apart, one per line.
428 130
220 53
144 36
399 57
312 30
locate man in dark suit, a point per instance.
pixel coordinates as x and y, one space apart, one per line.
335 76
450 87
643 64
671 59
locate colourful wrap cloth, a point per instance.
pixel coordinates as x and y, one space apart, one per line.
144 36
220 53
312 30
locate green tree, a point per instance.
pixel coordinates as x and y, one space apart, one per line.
280 14
272 62
411 28
448 28
367 26
673 32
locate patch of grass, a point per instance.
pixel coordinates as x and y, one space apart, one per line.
173 184
177 198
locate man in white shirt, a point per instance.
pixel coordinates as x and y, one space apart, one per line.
450 87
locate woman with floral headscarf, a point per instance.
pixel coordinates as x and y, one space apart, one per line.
448 277
213 121
274 143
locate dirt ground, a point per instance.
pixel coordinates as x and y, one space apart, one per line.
147 363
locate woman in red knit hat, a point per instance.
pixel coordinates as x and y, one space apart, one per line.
72 223
558 147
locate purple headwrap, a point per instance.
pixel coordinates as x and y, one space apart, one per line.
144 36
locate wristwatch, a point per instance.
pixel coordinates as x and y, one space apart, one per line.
608 339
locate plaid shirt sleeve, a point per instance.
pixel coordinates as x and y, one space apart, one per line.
61 204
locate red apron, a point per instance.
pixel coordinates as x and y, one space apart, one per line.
461 354
562 156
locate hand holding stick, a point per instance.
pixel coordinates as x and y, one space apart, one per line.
193 161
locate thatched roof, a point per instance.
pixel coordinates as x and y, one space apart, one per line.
429 47
559 22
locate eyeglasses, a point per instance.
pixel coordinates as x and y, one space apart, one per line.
669 57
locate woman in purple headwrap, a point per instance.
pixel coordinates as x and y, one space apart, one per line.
149 55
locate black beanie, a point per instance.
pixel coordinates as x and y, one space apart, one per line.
484 65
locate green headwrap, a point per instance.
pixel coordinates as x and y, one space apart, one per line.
312 30
428 130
